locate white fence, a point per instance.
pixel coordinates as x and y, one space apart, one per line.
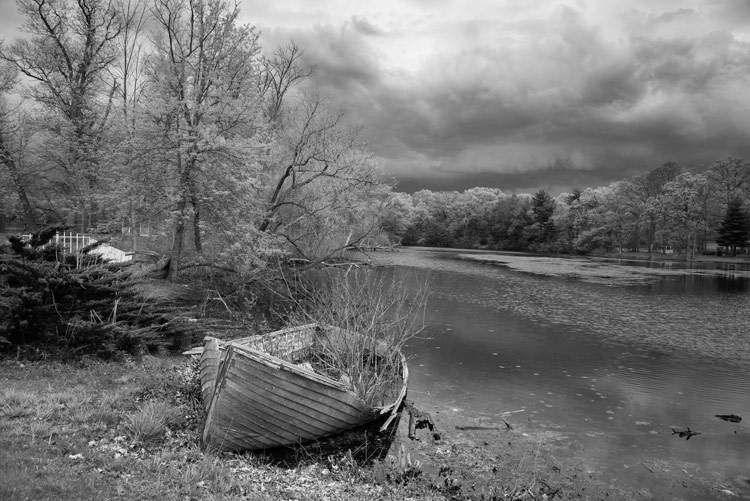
74 242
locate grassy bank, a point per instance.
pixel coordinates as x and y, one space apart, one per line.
129 430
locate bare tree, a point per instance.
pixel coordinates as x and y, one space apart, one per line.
127 73
320 184
280 73
71 45
10 125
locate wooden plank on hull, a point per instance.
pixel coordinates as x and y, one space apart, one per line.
314 409
338 403
258 412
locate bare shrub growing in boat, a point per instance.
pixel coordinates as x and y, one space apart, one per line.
367 318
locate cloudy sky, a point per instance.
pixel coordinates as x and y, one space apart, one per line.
522 95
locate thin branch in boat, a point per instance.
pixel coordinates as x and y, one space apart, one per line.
369 317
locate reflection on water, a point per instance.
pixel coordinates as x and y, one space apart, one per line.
728 283
617 366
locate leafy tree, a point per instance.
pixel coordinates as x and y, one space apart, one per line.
731 176
202 98
645 192
509 217
617 214
396 216
571 217
471 216
733 232
681 209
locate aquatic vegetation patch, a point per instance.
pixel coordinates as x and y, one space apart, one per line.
581 269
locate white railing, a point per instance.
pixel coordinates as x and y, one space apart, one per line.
71 242
74 242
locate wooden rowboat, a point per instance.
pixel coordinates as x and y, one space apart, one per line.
258 395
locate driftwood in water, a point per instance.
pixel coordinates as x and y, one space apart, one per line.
732 418
419 420
685 433
508 426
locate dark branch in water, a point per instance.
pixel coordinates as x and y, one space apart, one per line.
465 428
508 426
732 418
685 433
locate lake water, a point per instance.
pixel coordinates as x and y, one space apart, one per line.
613 353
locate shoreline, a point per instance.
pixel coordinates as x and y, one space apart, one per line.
544 452
700 258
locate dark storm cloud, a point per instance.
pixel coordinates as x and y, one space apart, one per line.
649 100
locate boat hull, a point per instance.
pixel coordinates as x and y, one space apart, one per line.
259 401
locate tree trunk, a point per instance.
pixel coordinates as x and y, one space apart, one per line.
179 229
651 237
29 216
197 240
179 236
197 231
133 229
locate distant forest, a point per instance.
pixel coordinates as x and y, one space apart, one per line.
164 125
665 210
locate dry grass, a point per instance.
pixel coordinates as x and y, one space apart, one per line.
372 315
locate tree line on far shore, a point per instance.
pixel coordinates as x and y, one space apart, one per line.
668 209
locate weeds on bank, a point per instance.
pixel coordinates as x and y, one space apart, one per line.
150 421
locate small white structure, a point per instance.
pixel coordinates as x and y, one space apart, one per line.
111 254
